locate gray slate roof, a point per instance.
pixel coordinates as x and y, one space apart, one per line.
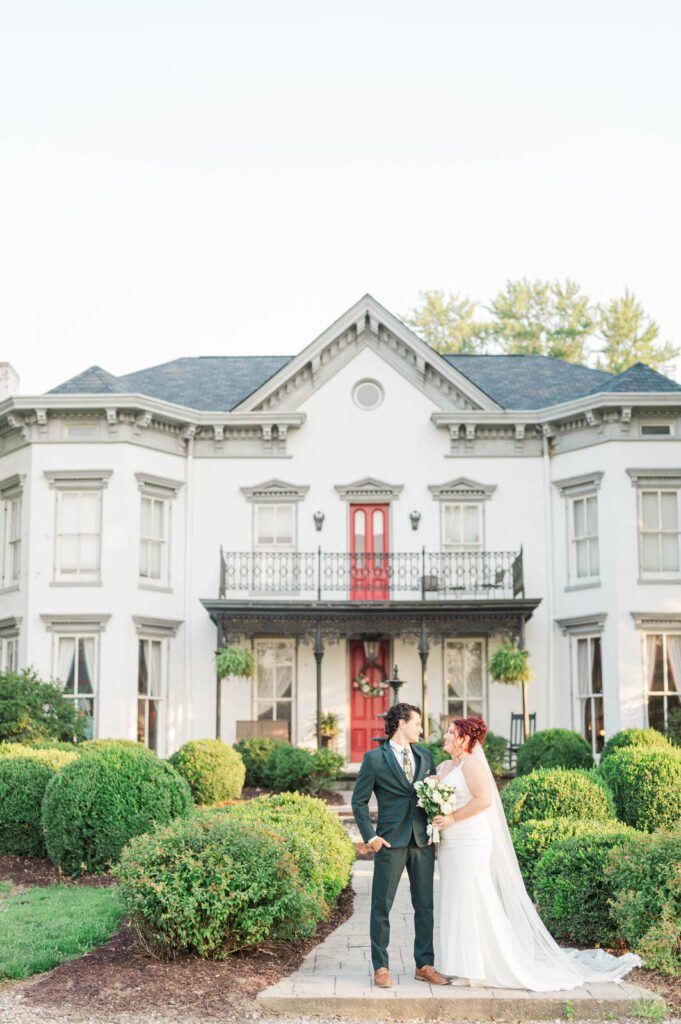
219 383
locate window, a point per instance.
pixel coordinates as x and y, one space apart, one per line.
367 394
11 563
461 526
659 532
663 676
149 691
76 668
9 654
274 527
79 516
584 538
155 516
655 428
465 678
590 691
274 673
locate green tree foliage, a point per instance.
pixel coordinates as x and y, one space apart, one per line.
31 709
544 318
447 322
630 336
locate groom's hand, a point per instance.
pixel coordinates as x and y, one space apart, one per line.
377 842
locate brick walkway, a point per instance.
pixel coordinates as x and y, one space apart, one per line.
337 978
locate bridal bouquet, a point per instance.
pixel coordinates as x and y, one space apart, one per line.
435 797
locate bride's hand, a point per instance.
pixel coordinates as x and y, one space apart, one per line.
442 821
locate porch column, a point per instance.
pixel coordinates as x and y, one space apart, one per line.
218 686
318 655
526 706
424 651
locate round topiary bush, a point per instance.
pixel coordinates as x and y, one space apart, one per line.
24 776
646 785
557 793
255 752
105 744
553 748
208 886
327 768
104 798
645 875
532 839
311 819
289 768
213 770
55 757
572 889
633 738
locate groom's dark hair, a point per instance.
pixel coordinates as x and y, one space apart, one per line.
396 714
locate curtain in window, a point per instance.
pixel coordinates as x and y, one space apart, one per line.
67 662
674 659
651 644
583 673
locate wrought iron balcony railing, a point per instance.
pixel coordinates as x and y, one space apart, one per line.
418 575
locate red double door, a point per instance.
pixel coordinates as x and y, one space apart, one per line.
369 581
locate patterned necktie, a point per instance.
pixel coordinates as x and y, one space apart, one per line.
406 764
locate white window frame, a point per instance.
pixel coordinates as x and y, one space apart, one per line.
274 545
484 697
77 627
656 480
11 498
597 739
462 545
292 701
666 692
9 644
587 538
159 644
659 573
80 482
163 630
77 638
656 423
161 489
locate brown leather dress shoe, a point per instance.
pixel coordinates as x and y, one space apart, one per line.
430 975
382 978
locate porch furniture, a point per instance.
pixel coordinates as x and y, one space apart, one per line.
516 737
263 729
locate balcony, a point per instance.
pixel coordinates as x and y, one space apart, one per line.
407 576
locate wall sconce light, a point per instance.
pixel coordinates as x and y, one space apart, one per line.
318 520
415 518
371 648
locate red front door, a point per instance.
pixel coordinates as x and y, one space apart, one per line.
369 573
364 723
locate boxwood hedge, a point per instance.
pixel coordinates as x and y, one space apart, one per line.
24 776
633 738
646 785
553 748
557 793
214 770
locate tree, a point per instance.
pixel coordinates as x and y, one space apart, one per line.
33 710
542 318
447 322
630 336
509 665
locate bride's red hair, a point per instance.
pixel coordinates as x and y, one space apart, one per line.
475 728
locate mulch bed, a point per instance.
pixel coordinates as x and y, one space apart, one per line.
668 988
122 977
26 871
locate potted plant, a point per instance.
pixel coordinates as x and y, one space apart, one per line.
330 723
509 665
234 661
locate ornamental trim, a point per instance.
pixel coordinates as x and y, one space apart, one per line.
462 489
369 488
275 490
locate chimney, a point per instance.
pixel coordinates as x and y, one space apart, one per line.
9 381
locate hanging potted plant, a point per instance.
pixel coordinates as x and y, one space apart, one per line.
509 664
234 661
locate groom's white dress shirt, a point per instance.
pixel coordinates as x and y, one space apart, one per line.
398 751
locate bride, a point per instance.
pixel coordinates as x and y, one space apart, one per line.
490 933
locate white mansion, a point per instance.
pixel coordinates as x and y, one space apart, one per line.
365 503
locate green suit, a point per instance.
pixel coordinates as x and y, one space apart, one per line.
402 824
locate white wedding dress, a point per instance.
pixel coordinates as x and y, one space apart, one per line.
490 931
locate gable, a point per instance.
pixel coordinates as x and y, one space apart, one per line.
368 325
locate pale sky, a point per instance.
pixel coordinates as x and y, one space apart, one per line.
197 177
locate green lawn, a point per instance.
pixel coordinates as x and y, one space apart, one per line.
41 927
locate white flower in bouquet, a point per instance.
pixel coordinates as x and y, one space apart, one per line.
435 797
447 807
432 781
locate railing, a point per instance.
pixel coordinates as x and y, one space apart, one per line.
417 575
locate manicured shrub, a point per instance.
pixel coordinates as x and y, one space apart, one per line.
320 827
572 889
646 785
557 793
289 768
674 726
496 752
209 886
55 757
532 839
213 770
74 748
633 738
255 753
24 777
326 770
553 748
104 798
31 709
105 744
437 750
645 875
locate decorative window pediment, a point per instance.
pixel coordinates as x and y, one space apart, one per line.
275 490
655 477
369 489
78 479
158 486
583 625
12 486
75 623
10 627
462 489
150 627
659 622
573 486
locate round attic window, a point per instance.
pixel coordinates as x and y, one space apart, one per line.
367 394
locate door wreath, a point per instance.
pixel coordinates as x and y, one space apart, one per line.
365 685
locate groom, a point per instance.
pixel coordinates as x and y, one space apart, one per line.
400 839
